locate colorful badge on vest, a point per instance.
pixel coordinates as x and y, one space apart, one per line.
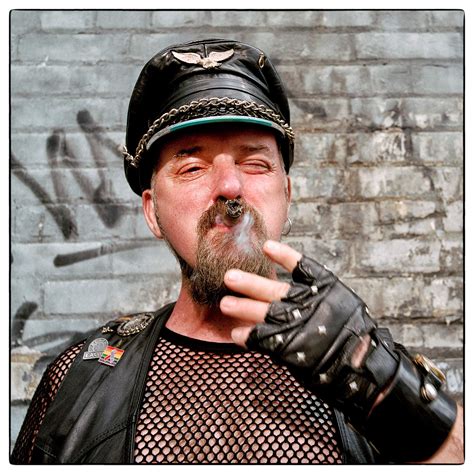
95 349
111 356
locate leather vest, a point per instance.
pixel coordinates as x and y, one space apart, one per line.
92 419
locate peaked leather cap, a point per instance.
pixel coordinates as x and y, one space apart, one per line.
197 83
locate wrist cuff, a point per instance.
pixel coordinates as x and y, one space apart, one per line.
406 425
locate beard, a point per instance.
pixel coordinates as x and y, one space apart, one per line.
240 247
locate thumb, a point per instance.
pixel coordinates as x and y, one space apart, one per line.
240 335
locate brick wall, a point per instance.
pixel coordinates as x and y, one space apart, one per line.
377 104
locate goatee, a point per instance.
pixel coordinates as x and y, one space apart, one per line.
240 246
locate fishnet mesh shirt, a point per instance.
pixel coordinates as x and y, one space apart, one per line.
210 402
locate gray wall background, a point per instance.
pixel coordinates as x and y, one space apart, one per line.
377 104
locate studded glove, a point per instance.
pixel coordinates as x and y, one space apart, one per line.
315 331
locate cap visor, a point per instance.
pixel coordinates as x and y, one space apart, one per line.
212 120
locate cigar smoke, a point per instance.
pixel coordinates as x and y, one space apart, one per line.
242 233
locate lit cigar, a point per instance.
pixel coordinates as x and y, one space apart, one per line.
233 208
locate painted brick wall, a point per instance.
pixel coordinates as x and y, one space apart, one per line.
377 104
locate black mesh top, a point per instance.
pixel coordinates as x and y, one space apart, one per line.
211 402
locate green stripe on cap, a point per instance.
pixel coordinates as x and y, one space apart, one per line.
212 120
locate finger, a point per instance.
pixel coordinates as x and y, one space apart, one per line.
241 334
282 254
244 308
255 286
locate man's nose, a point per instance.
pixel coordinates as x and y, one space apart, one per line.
228 182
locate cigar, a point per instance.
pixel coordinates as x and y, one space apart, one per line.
233 208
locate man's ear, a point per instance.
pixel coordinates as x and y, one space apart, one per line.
288 193
150 213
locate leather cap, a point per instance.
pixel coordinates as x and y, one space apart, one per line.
202 82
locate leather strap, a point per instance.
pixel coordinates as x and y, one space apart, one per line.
403 426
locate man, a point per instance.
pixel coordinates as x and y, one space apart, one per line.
243 367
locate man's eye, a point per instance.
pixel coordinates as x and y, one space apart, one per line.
255 165
190 169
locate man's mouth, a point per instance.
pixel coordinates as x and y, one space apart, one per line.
239 231
223 223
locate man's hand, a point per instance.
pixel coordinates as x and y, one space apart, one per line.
260 292
316 326
316 305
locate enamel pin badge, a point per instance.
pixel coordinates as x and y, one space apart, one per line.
95 349
111 356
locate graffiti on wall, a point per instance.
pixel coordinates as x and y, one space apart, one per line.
61 156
